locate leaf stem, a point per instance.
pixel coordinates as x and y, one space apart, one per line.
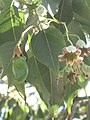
74 35
23 34
67 34
11 16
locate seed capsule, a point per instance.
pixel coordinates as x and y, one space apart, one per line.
19 69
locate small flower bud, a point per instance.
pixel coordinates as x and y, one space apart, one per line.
80 43
41 10
71 49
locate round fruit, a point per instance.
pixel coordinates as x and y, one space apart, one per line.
19 69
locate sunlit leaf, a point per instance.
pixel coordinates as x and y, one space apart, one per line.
8 20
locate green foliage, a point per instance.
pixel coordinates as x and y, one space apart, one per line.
19 69
41 49
53 5
65 13
51 46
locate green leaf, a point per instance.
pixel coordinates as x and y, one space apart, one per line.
86 28
87 60
65 13
50 89
6 60
88 2
81 80
8 20
11 103
70 92
47 45
6 52
2 5
57 90
5 20
54 4
75 29
20 88
2 103
88 110
10 35
7 3
39 77
18 114
81 11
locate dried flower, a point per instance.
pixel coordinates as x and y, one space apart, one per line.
17 51
71 77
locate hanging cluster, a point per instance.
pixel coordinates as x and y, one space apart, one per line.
74 55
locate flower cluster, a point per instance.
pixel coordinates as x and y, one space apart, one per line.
74 55
71 54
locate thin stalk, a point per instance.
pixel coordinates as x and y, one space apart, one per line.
11 16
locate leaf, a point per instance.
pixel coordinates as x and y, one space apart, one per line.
6 52
53 5
81 11
75 28
47 45
57 90
18 114
81 80
10 36
2 103
50 89
38 76
86 29
11 103
87 60
8 20
5 20
88 110
70 92
2 5
20 88
88 2
65 13
7 3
